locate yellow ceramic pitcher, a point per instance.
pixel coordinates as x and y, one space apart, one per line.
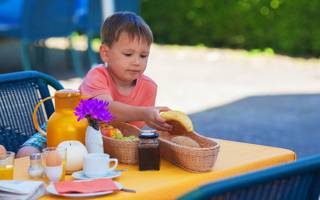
62 124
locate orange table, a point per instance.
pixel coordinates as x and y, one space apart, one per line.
170 182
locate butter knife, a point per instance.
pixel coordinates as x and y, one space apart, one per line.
128 190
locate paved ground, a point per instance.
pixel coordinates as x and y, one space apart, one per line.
271 100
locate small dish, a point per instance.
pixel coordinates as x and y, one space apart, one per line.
52 190
81 176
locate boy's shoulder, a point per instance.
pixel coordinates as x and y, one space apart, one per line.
98 69
97 72
147 80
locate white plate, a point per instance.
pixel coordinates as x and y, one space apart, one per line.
81 176
52 190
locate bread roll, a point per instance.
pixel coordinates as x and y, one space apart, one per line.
185 141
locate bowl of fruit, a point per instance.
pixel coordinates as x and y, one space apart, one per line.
121 140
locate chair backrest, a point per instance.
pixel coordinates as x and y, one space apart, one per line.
10 16
37 19
44 19
19 93
10 11
298 180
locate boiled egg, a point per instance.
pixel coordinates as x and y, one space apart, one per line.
53 159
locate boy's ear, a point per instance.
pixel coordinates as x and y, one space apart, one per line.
104 52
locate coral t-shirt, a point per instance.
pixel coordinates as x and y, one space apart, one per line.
98 82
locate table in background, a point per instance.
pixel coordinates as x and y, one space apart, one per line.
170 182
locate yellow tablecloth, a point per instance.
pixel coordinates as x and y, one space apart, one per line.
170 182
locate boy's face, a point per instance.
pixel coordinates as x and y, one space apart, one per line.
127 58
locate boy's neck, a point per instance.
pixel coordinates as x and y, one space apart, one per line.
123 87
123 84
120 83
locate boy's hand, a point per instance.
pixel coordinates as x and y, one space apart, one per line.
156 121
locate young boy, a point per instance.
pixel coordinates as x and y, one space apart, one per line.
125 48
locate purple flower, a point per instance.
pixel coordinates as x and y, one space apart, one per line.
95 109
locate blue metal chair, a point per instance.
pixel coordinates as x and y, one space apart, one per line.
19 93
33 20
298 180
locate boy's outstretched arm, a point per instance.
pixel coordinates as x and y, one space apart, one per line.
127 113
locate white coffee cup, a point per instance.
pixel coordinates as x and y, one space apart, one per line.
97 165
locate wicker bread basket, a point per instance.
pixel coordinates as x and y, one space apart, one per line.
190 158
125 151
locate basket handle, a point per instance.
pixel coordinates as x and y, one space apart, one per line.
35 119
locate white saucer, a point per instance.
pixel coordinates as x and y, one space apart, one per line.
52 190
81 176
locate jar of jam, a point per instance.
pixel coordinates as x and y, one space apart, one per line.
149 152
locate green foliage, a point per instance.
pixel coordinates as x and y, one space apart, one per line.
286 26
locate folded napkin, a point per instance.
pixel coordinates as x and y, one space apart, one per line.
22 190
87 186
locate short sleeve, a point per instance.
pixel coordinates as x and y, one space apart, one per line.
95 83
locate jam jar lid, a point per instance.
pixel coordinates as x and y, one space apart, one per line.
148 135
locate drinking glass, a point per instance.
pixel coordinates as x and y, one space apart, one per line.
6 166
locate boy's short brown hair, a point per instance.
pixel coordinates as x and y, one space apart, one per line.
127 22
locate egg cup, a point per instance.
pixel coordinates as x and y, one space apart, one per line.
54 173
62 156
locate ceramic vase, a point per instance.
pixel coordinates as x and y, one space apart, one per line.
94 142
